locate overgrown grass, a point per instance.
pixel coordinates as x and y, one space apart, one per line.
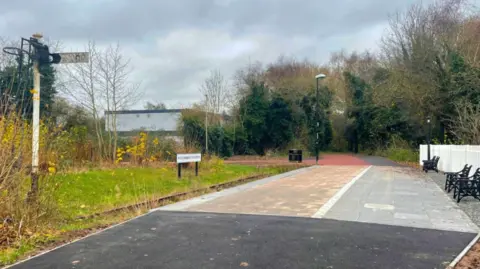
100 190
24 246
401 155
95 191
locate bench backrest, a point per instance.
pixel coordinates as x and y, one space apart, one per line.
466 171
476 175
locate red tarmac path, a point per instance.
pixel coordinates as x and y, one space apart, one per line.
325 159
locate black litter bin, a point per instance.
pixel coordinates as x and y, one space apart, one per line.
295 155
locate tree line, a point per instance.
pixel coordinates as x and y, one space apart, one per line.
263 116
426 67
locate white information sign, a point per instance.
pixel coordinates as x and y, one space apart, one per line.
189 157
74 57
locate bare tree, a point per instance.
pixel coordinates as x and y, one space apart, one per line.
153 106
215 94
418 50
214 90
244 77
118 91
102 84
6 59
242 82
466 126
82 86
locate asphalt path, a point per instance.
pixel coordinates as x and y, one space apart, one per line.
378 161
174 240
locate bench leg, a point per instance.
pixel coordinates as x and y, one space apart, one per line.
477 191
451 185
456 192
465 189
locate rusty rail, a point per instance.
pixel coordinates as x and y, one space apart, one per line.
176 196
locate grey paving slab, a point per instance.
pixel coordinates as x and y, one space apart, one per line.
378 161
179 240
400 196
469 205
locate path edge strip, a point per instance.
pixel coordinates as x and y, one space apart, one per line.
464 252
332 201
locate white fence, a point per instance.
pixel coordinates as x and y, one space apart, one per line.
453 157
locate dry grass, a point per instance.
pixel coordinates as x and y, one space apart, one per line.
90 193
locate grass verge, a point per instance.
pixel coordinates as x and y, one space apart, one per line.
101 190
92 192
400 155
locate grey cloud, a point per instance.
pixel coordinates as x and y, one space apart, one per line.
174 43
128 19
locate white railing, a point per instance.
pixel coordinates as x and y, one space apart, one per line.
453 157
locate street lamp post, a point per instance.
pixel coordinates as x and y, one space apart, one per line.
428 138
206 125
317 111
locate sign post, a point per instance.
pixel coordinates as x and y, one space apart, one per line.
35 126
188 158
40 55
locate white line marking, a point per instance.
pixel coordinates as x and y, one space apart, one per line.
326 207
464 252
379 206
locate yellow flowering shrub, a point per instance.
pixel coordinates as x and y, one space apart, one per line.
143 150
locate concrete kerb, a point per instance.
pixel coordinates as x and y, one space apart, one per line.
464 252
183 205
332 201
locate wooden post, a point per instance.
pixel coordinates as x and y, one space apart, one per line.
196 169
179 170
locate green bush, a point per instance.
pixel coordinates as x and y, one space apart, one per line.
402 155
398 150
220 139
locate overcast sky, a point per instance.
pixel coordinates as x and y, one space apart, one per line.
173 44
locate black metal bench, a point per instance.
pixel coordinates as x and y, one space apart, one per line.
467 186
431 164
451 177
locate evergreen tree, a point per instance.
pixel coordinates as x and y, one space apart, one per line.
317 121
16 89
255 109
279 123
